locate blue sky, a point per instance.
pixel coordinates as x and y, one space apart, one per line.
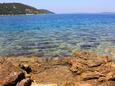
71 6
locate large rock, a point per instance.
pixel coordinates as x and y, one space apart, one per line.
94 63
91 75
77 67
6 67
13 78
25 82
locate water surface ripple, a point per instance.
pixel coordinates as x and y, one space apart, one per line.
56 35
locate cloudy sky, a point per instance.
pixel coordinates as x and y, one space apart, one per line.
70 6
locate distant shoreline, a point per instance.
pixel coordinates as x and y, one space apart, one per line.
58 14
23 14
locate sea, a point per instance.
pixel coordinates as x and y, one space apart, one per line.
52 35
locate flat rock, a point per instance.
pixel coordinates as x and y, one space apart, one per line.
82 84
90 75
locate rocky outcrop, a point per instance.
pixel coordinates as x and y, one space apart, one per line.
90 67
83 69
13 75
13 78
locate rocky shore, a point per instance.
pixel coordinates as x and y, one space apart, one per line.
82 69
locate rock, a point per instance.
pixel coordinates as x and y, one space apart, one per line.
102 79
77 68
94 63
107 59
35 84
27 76
2 60
6 68
13 78
110 76
25 67
90 75
1 82
83 69
25 82
83 84
106 83
69 84
85 55
55 74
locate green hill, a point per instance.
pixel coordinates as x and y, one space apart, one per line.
18 9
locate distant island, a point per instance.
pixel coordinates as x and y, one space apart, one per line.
20 9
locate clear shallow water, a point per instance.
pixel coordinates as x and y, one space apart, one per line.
56 35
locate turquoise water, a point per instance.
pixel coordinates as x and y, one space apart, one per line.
56 35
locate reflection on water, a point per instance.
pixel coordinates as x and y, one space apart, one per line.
56 35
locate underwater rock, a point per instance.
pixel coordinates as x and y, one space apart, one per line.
85 46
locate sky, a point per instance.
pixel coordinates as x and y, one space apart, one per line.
70 6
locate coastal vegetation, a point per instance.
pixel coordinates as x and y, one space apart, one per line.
18 9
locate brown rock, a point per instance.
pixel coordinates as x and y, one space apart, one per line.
25 82
94 63
25 67
6 68
77 68
85 55
13 78
1 82
90 75
102 79
27 76
83 84
35 84
107 83
110 76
